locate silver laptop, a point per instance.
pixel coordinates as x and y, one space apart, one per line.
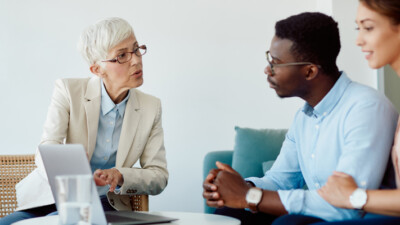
72 160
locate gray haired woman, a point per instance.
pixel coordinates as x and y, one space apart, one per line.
117 124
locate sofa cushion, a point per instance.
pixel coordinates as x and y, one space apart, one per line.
267 165
255 146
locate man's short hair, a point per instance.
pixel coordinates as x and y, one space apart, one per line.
315 38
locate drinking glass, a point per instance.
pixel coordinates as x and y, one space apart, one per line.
74 193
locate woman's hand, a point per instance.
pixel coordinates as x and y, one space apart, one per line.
110 177
338 189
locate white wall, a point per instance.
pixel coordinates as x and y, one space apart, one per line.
351 59
205 61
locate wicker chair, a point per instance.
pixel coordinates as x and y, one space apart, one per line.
14 168
140 202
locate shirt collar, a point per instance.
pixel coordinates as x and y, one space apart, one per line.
107 105
326 105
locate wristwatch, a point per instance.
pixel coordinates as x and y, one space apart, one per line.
358 198
253 198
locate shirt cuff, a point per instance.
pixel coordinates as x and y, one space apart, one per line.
292 200
254 180
117 190
262 183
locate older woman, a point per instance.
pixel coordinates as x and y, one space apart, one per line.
117 124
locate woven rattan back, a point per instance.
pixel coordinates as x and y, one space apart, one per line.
13 168
140 202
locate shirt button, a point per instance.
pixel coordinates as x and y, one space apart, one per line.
324 113
108 140
316 185
312 155
317 127
111 123
363 183
105 158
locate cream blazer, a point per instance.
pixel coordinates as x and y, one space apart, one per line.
73 117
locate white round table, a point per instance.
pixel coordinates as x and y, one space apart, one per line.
187 218
184 218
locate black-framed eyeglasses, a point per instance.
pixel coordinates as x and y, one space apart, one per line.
272 65
126 56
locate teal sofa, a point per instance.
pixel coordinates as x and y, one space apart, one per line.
254 152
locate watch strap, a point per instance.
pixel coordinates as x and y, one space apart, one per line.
253 207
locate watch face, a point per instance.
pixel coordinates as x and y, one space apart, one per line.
358 198
254 196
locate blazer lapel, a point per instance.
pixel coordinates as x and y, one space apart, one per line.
129 127
91 102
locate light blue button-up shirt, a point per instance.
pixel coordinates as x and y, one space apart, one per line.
108 134
350 130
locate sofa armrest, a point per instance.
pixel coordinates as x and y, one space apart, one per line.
212 157
209 163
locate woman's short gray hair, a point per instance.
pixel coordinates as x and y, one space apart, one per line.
99 38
